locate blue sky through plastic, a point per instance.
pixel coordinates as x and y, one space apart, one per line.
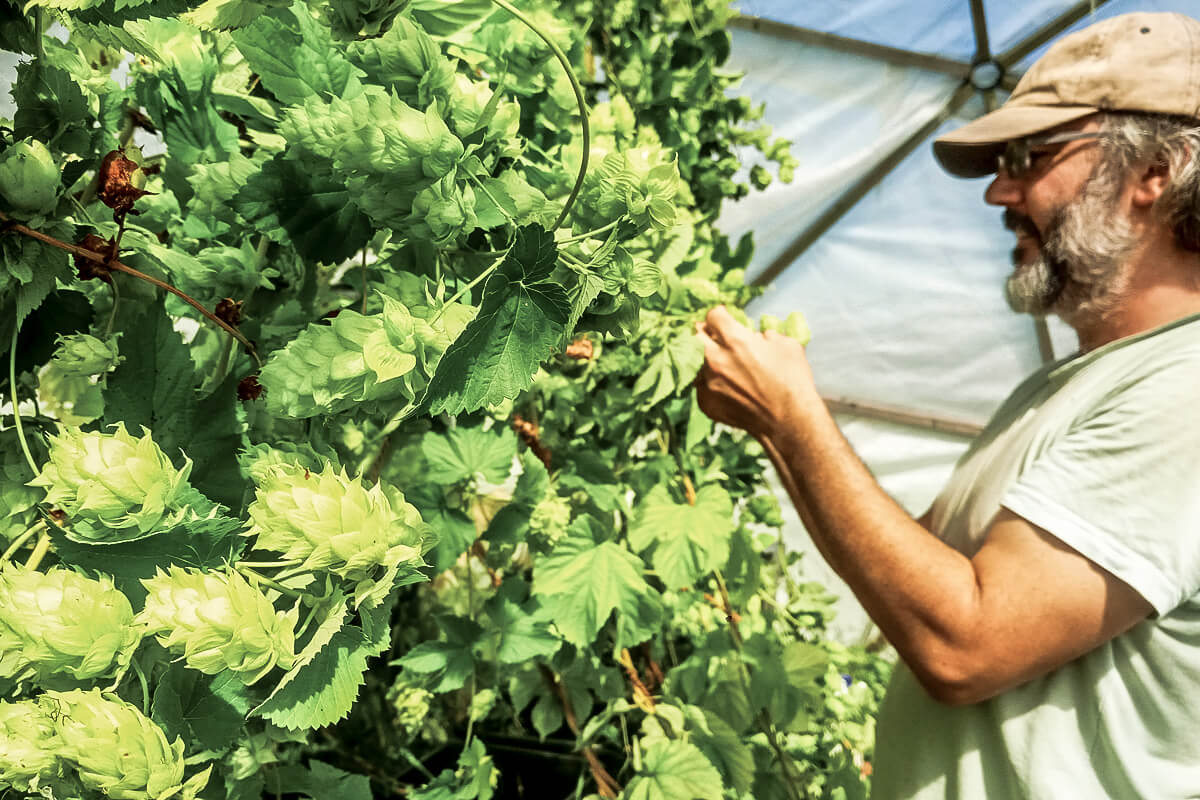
941 27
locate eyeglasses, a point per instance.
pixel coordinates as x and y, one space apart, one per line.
1017 158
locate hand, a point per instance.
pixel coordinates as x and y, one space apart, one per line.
752 381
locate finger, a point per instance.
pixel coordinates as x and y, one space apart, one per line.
724 327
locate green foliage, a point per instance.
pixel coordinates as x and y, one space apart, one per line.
446 496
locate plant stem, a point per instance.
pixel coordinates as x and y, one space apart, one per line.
12 385
583 116
20 541
112 314
39 551
474 282
589 234
114 264
364 282
141 676
768 726
263 579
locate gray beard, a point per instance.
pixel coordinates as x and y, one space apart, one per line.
1080 270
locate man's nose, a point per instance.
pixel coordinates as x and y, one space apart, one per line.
1004 191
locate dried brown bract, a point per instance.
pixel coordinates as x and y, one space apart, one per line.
249 388
88 269
229 311
116 183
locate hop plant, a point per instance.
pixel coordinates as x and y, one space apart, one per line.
117 749
82 354
549 520
332 522
359 359
113 480
444 212
29 178
62 622
218 621
28 747
370 17
410 704
18 502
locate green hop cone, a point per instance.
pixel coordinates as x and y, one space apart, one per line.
29 178
794 327
332 522
113 480
548 521
117 749
28 747
357 359
444 212
82 354
60 622
218 621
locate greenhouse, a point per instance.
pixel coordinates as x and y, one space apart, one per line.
640 399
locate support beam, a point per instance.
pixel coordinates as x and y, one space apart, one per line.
902 417
983 51
860 188
1013 55
890 55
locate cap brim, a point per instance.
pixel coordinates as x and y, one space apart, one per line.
971 151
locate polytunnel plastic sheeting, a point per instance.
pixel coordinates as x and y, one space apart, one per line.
1114 7
942 27
842 113
938 27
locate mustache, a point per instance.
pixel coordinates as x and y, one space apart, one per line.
1019 223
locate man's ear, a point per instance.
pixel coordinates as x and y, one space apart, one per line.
1150 183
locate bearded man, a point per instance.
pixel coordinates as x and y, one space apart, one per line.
1046 609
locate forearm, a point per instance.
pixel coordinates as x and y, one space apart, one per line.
922 593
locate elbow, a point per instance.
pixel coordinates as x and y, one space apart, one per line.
955 678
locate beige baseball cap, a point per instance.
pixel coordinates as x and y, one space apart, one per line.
1133 62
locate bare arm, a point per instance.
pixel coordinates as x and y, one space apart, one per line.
968 628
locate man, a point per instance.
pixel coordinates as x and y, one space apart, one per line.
1047 607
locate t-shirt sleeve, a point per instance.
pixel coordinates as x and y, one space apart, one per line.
1122 486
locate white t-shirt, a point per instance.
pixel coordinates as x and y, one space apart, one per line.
1103 451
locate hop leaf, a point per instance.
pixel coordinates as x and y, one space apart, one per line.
219 621
29 178
353 17
117 749
28 746
81 354
62 622
113 480
335 523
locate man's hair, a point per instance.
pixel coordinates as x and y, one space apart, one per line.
1137 138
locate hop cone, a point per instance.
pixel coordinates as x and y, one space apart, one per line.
62 622
219 621
28 746
358 359
117 749
29 178
114 480
82 354
335 523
